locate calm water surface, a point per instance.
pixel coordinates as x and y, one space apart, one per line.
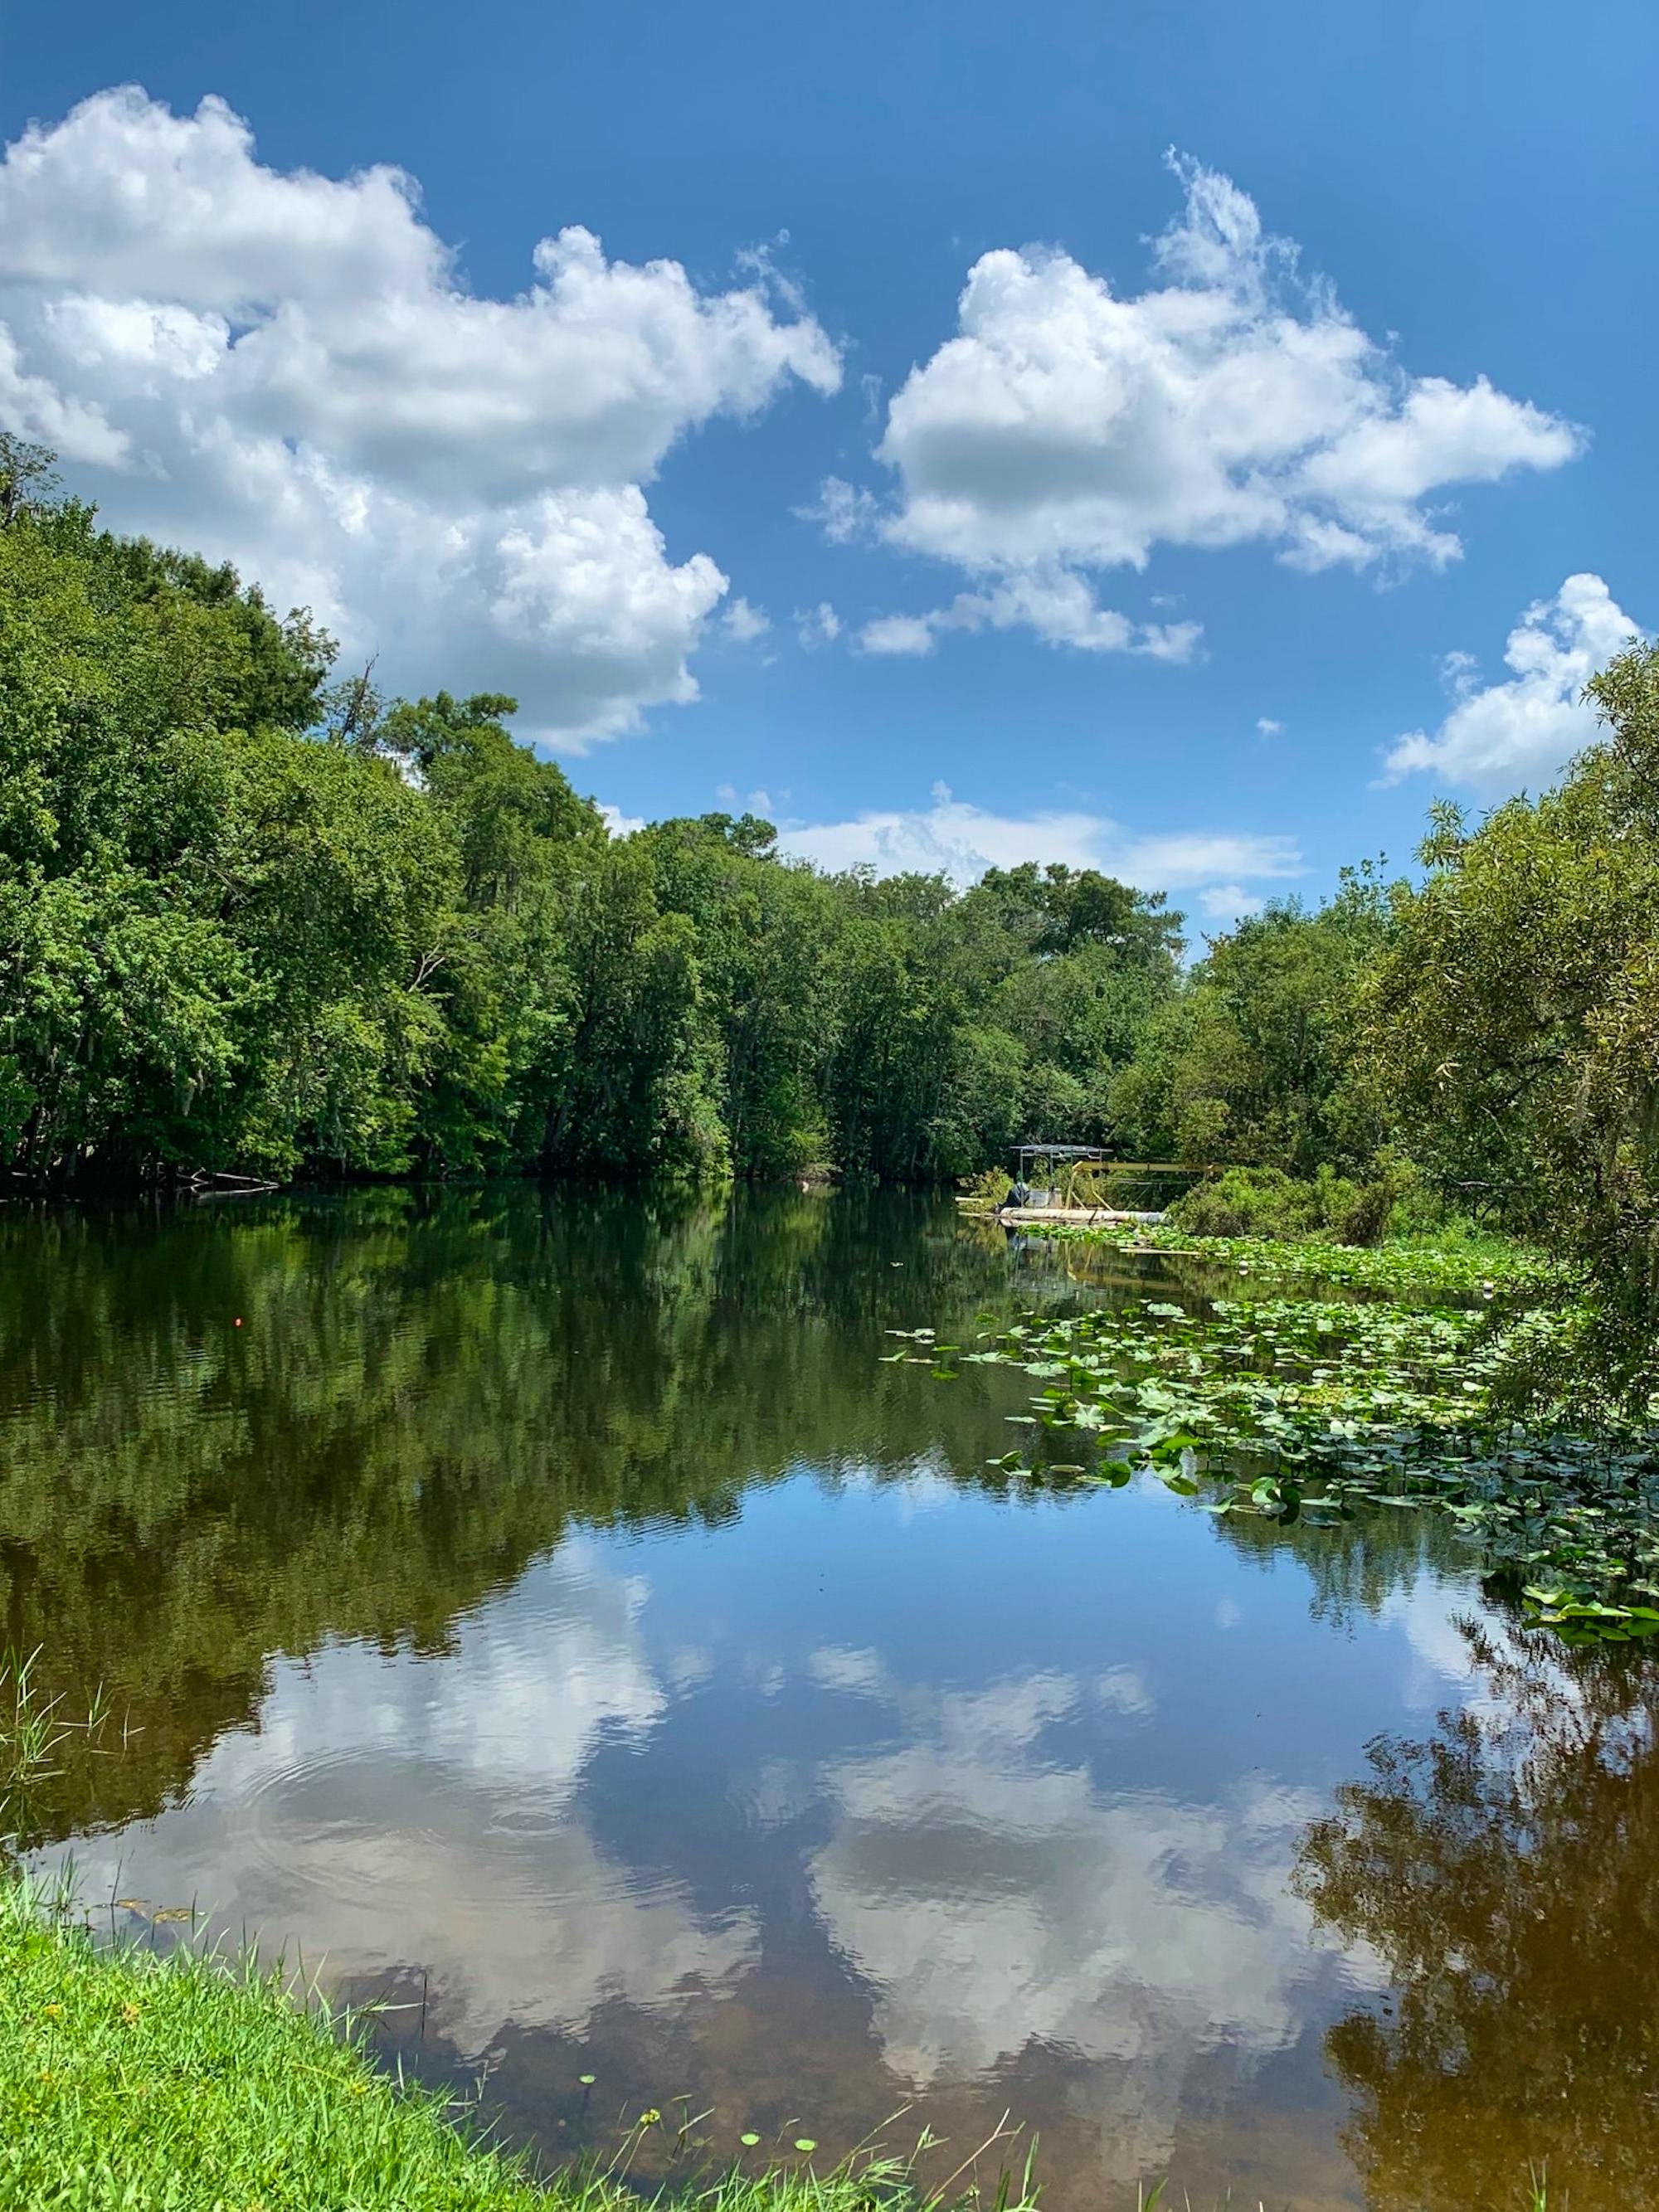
548 1614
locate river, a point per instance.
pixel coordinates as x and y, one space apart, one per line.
546 1615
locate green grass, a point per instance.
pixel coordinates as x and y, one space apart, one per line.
129 2083
34 1730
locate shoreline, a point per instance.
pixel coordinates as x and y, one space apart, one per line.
194 2082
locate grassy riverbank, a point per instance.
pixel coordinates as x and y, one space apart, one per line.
129 2083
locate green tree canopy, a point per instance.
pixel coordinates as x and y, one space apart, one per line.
1513 1020
256 919
1255 1060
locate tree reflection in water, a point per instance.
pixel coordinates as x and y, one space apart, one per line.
357 1415
1507 1871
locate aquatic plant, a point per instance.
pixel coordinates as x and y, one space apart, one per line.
1314 1410
35 1728
1407 1267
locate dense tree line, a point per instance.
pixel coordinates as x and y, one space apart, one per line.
1486 1038
1255 1060
254 920
1514 1015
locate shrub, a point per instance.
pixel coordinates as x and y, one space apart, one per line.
1268 1202
1362 1214
1250 1202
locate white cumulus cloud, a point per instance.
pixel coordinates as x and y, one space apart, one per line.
962 840
1500 737
288 370
1066 430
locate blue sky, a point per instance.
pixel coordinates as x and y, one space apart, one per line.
1124 505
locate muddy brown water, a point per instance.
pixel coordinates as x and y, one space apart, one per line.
546 1614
